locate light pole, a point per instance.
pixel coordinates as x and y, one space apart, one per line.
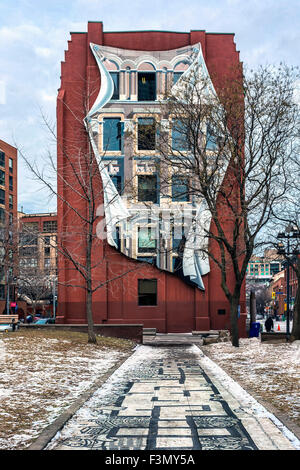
290 233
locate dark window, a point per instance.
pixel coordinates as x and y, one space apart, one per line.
147 259
179 135
147 188
147 291
146 134
2 178
117 180
47 240
2 292
11 201
146 86
47 250
176 238
176 76
2 215
180 188
115 78
117 238
50 226
11 183
2 196
211 138
112 134
146 240
28 239
221 311
28 251
2 158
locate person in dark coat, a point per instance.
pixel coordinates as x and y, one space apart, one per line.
269 324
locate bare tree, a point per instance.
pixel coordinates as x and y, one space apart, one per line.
77 174
231 148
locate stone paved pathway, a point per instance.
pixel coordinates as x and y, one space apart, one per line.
164 399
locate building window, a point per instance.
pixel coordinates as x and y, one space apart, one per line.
147 188
117 180
177 238
2 292
112 134
11 184
47 251
11 165
211 138
176 76
11 201
147 292
115 79
2 196
147 259
146 240
47 240
146 86
47 263
50 226
117 238
2 158
2 215
146 133
2 178
179 135
180 188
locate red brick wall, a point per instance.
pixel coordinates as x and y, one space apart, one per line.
180 307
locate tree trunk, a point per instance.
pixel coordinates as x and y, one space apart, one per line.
89 314
234 303
295 335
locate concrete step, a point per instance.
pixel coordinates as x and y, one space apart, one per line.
149 331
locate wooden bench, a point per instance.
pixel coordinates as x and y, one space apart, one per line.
8 319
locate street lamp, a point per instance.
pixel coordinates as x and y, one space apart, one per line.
290 233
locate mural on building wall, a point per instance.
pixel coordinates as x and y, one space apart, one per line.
119 69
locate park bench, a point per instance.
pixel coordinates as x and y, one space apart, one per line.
9 320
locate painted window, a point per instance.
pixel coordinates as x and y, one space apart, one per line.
117 180
211 138
179 135
146 133
177 238
2 158
146 86
176 76
180 188
146 240
147 291
115 78
147 188
147 259
112 134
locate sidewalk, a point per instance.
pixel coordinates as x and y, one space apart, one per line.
172 398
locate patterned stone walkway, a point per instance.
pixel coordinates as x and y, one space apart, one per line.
163 399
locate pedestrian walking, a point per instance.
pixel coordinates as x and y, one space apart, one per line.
269 324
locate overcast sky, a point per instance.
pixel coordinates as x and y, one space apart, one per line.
34 35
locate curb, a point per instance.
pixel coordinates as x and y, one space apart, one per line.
287 422
52 429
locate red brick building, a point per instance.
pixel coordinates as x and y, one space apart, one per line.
8 219
174 306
